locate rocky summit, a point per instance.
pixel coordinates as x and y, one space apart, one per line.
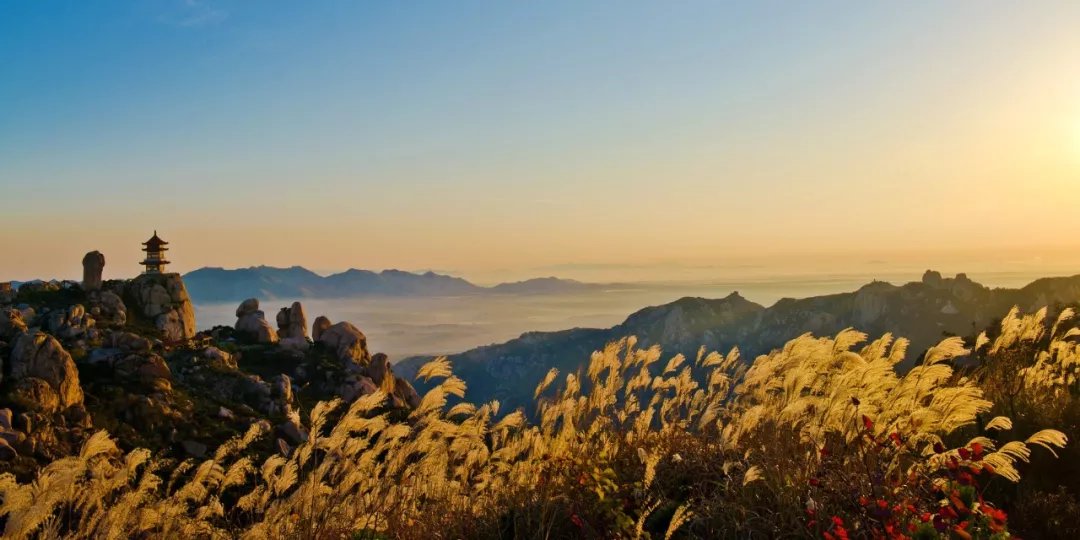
126 356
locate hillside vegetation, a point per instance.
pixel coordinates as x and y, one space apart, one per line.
924 312
821 437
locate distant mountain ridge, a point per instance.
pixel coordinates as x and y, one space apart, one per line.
212 284
925 312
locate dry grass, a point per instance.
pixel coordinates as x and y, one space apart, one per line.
822 437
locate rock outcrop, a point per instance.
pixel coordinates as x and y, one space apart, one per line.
163 301
108 309
251 323
291 321
348 343
319 326
7 293
70 323
93 263
45 372
11 323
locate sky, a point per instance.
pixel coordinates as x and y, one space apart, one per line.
497 140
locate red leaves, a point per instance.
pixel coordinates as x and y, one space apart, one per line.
867 423
939 448
977 449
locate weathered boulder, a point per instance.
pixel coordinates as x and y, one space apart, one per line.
251 323
127 342
348 342
92 264
378 368
39 356
219 358
320 326
7 453
108 309
291 321
356 386
251 305
11 323
296 344
281 394
406 392
146 369
69 323
162 300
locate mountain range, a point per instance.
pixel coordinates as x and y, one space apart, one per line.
924 312
267 282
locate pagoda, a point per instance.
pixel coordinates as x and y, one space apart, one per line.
155 255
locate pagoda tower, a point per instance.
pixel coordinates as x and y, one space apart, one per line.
155 255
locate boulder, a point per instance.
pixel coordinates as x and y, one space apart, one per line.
348 343
103 355
219 358
378 368
253 326
70 323
11 323
297 344
356 386
40 356
291 321
7 292
36 394
251 305
163 300
7 453
108 309
92 264
406 392
281 394
320 326
128 342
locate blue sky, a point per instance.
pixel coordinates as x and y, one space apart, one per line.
514 135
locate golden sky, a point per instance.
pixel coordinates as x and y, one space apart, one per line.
529 140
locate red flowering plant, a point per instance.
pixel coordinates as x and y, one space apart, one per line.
896 485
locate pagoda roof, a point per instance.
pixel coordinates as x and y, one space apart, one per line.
155 241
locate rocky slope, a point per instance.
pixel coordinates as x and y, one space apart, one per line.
125 356
924 311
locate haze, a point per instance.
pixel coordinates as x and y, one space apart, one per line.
599 140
